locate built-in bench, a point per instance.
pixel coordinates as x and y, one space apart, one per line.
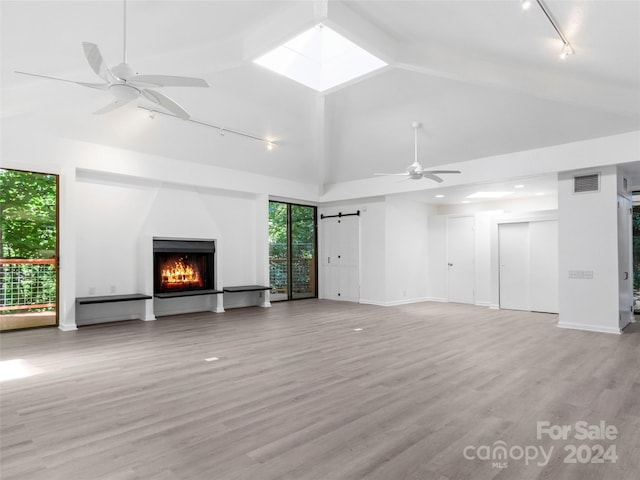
129 297
97 299
102 299
245 288
251 288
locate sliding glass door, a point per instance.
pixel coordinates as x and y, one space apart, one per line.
292 251
28 249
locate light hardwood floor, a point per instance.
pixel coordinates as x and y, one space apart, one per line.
297 394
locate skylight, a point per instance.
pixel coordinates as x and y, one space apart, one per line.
320 58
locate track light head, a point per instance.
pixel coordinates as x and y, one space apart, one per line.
566 51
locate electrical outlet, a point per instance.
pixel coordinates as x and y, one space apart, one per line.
581 274
92 290
113 289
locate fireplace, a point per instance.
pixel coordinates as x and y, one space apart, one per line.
183 265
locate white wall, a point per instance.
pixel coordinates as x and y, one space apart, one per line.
117 219
588 241
393 248
406 247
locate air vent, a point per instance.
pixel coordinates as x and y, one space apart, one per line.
586 183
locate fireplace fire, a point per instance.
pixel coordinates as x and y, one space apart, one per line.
183 265
181 274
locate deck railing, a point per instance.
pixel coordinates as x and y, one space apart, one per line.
303 274
27 284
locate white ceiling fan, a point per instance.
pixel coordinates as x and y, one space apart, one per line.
415 171
127 85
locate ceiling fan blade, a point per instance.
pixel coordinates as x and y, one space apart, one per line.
431 176
391 174
99 86
94 57
166 102
111 107
169 81
442 171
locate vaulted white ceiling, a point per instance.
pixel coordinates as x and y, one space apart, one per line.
483 77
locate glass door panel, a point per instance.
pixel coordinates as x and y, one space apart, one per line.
28 249
303 251
278 251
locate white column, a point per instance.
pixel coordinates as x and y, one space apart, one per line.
67 249
588 253
262 246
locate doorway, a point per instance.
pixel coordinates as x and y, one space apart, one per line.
28 249
461 259
292 251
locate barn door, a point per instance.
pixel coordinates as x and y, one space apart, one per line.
340 260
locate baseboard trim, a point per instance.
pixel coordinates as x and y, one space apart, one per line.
393 303
372 302
589 328
437 299
484 304
406 301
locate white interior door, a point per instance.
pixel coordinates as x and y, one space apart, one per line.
340 260
625 264
513 246
544 266
461 259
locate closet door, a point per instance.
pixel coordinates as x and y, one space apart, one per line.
514 266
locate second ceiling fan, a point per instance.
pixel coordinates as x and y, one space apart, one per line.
415 171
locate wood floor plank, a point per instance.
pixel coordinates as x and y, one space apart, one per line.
297 393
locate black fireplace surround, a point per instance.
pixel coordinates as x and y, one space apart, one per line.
183 265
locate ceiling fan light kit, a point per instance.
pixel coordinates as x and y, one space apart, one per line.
415 171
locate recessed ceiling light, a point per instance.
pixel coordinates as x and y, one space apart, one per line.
540 194
518 186
439 196
465 201
489 194
320 58
526 4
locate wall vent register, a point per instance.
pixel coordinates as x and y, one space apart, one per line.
586 183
